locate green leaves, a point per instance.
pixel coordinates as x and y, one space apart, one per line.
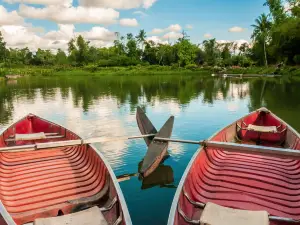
2 48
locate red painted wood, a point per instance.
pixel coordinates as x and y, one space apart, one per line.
242 181
38 184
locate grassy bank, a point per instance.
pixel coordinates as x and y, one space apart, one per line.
104 71
285 71
144 70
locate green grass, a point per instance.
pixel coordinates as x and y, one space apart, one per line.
92 70
286 71
103 71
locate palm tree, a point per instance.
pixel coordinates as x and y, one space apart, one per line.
261 32
141 38
129 36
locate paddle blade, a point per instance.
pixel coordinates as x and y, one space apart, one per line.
126 177
162 177
145 125
157 149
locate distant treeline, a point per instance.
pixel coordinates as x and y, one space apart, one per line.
276 38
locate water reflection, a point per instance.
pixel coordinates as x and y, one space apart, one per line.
162 177
105 106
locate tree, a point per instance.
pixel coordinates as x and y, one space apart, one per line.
211 52
71 46
141 38
129 36
61 57
131 46
186 52
261 32
276 10
166 54
2 48
244 48
43 57
93 54
225 52
119 45
82 52
150 52
294 7
78 51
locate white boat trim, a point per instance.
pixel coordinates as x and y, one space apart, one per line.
122 201
184 176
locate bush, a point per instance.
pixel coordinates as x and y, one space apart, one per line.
297 59
191 66
3 72
91 68
174 66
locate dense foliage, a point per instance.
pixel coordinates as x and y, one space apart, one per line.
276 38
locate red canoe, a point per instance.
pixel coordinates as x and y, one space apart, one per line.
58 184
225 187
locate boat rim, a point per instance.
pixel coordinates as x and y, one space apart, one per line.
184 176
123 204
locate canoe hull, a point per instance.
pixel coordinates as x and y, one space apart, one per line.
238 184
56 181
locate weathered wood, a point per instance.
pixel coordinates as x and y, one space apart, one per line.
112 139
157 150
18 148
58 144
249 149
47 137
69 143
145 125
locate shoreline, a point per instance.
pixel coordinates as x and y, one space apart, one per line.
144 71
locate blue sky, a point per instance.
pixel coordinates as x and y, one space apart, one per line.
213 17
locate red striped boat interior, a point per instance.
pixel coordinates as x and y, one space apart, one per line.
55 181
243 181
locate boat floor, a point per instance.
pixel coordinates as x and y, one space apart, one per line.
257 183
50 182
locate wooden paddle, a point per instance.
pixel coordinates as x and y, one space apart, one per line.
233 147
70 143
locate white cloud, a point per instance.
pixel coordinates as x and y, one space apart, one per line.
21 36
148 3
174 28
242 41
65 32
129 22
70 15
207 35
171 28
236 29
141 13
17 36
157 31
189 26
99 34
9 18
42 2
238 42
118 4
156 40
172 35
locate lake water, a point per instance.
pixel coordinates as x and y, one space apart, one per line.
105 106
